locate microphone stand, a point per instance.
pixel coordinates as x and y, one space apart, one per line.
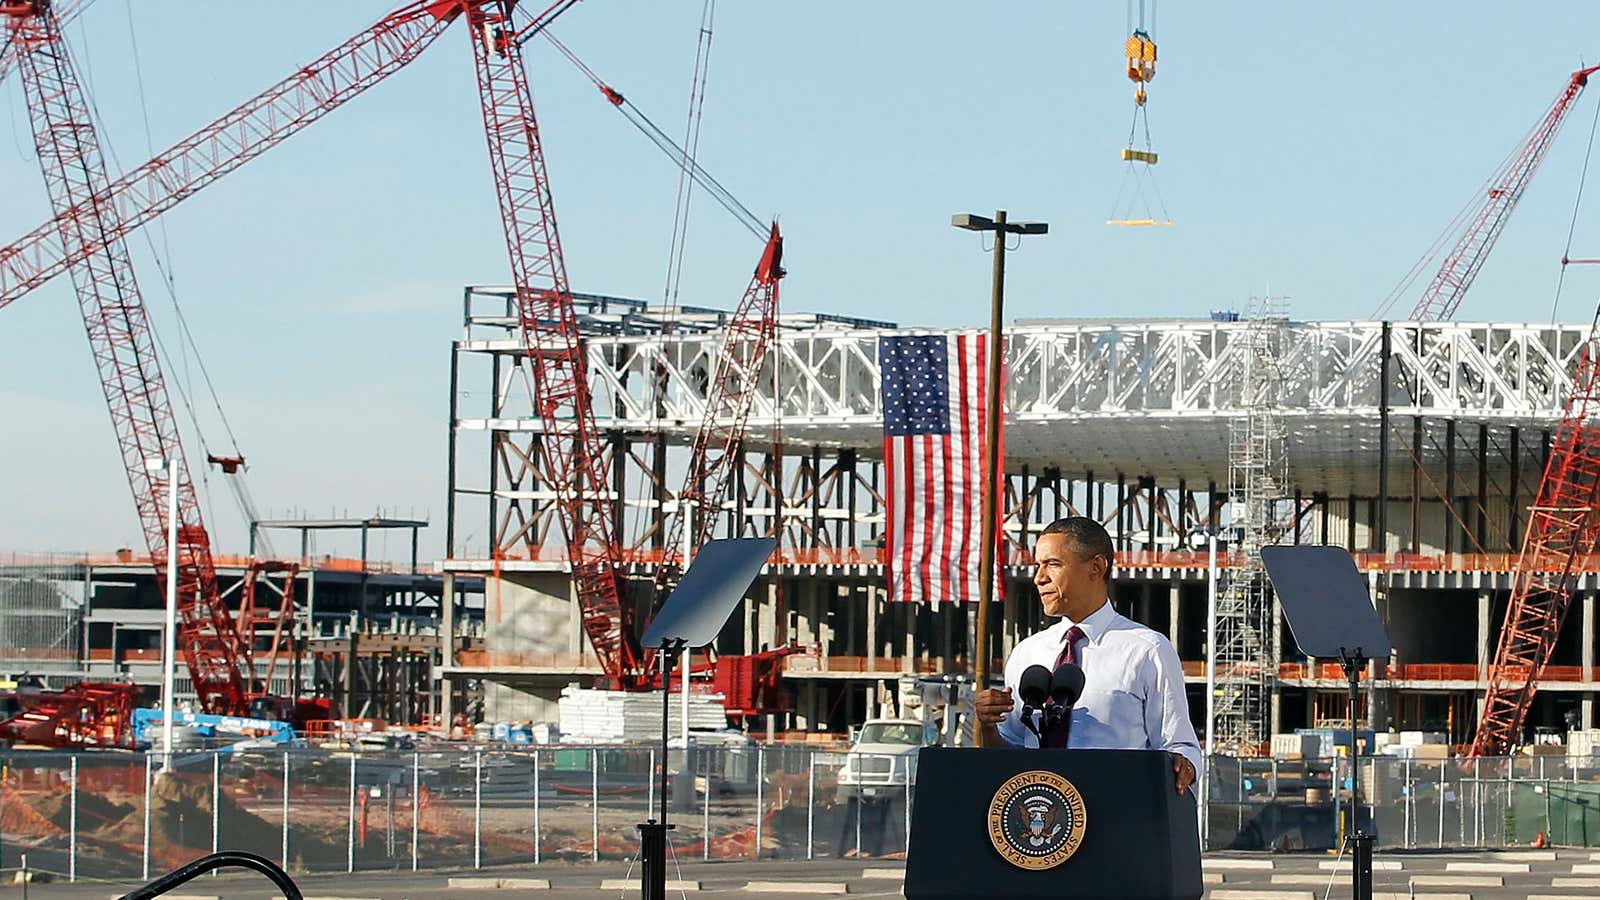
1027 716
653 832
1361 858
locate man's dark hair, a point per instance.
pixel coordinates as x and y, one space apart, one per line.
1087 537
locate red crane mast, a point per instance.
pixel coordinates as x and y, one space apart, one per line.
233 139
1564 523
746 338
571 448
93 216
124 349
1488 219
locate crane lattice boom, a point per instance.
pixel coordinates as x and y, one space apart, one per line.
244 133
1442 296
124 349
1564 523
571 448
746 339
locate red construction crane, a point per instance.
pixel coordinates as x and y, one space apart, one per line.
571 452
233 139
746 338
1564 524
748 683
1482 221
118 326
93 217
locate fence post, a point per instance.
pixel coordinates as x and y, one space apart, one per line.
216 800
855 802
1406 799
1477 801
761 777
146 864
811 798
416 804
350 822
594 802
72 822
650 796
477 809
284 849
1505 811
706 820
907 845
538 833
1549 832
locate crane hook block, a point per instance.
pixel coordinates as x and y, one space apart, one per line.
1148 157
1141 52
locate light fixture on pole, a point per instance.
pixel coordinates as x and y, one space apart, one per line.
169 634
999 227
1209 538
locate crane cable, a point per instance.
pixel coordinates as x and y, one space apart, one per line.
666 144
691 143
188 345
1572 227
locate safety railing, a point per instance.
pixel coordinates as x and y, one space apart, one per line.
120 816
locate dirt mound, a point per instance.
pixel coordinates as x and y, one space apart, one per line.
180 804
94 810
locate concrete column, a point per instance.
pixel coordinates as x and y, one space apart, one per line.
912 653
1586 709
767 617
1174 610
1008 627
870 595
946 632
447 647
1276 704
1485 602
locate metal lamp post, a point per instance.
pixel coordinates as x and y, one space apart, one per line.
999 227
169 634
1210 539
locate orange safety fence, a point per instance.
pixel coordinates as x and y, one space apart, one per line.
220 560
1420 672
495 659
1128 559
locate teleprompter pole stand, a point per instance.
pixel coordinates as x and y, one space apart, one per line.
1358 839
1332 616
653 832
695 611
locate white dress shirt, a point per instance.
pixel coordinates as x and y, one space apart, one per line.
1133 696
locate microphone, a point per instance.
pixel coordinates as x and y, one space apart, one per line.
1066 686
1033 687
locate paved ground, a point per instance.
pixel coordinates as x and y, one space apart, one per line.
1456 876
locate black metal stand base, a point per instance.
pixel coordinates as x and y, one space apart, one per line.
653 859
1361 865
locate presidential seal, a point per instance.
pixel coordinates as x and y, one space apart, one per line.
1036 820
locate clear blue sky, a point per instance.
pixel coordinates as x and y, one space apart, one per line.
1315 148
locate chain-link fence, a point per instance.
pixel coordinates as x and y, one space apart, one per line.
113 815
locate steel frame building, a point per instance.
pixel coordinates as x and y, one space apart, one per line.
1415 445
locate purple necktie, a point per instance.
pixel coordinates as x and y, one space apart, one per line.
1069 654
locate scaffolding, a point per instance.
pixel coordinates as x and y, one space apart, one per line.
1246 648
42 597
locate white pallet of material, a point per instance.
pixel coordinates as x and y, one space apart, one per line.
601 716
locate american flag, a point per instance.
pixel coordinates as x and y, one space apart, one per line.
933 427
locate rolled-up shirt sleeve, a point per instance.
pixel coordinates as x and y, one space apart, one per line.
1166 706
1011 729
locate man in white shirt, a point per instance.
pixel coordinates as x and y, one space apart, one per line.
1133 695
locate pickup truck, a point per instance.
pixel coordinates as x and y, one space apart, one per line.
882 759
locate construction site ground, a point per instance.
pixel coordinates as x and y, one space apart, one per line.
1499 875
